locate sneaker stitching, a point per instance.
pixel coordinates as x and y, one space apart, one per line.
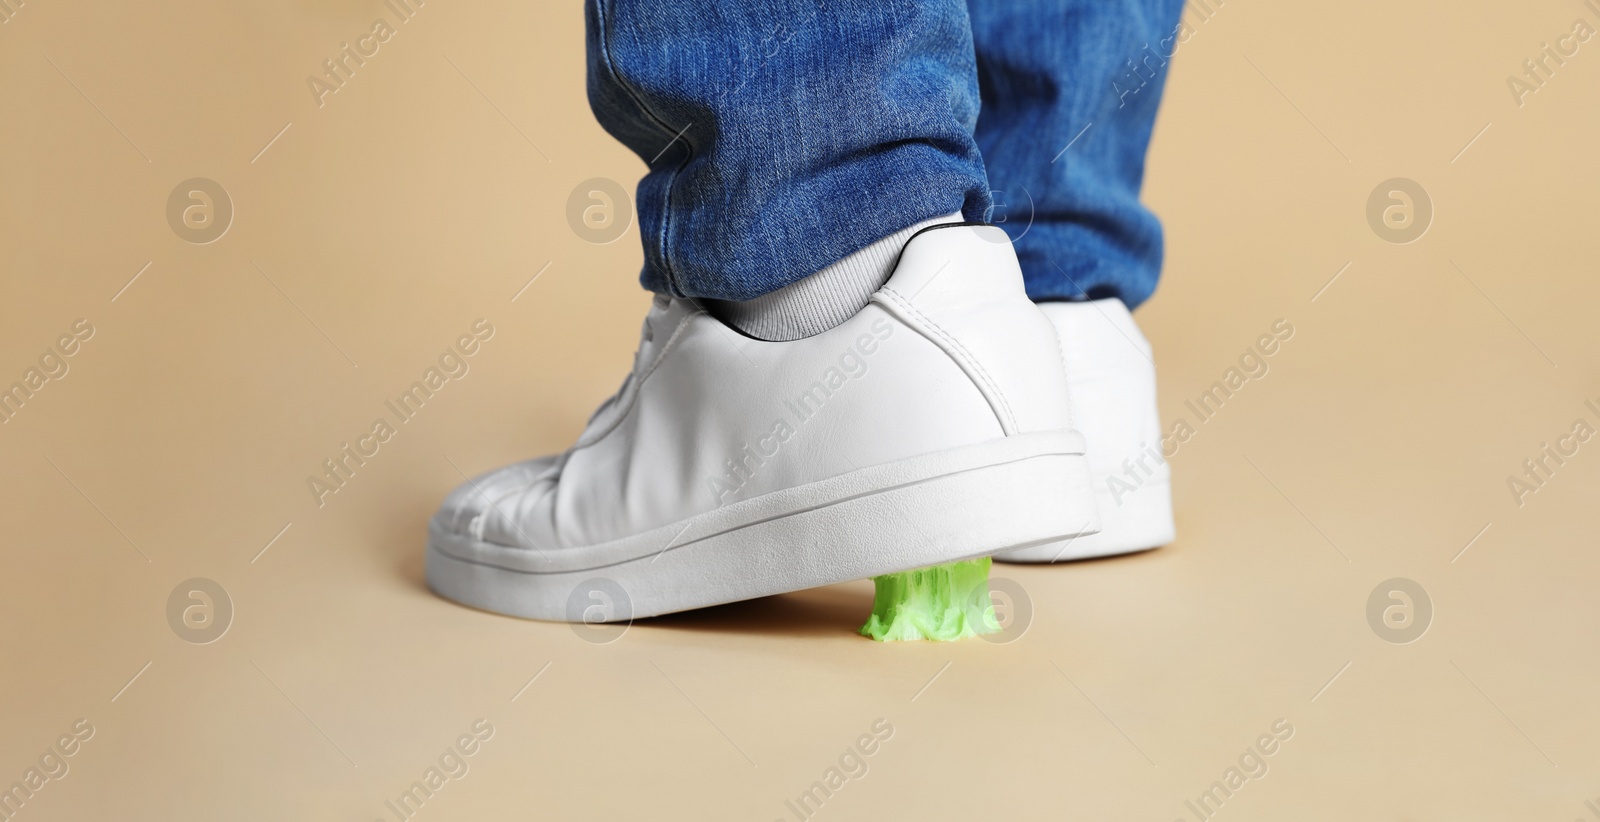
633 399
1008 419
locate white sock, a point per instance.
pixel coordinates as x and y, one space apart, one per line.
824 299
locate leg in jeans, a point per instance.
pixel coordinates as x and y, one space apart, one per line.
792 144
1070 89
784 135
1088 73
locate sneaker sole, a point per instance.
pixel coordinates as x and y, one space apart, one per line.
1020 491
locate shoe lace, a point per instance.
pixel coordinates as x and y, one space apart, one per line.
646 336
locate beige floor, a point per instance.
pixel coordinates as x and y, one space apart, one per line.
373 230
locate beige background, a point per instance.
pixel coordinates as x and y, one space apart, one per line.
428 192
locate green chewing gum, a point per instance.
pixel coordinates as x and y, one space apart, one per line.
942 603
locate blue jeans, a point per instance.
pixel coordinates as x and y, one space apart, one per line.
782 135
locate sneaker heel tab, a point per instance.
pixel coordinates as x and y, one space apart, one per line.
942 226
965 259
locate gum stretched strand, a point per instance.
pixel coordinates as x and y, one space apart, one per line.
942 603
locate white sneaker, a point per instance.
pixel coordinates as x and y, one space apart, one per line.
929 428
1113 382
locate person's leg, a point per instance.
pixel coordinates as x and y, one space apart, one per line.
929 426
784 135
1070 90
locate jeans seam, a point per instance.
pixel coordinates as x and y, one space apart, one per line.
603 23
